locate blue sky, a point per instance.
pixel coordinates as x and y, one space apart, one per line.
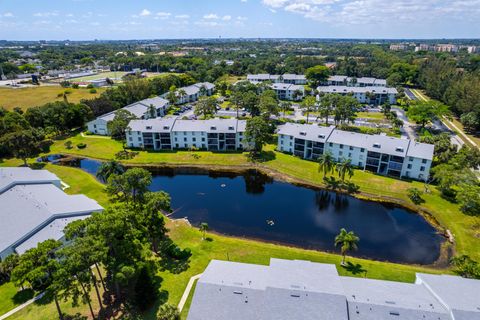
146 19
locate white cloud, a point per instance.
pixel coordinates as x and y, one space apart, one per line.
347 12
240 18
7 15
243 1
227 18
46 14
164 14
145 13
182 16
210 16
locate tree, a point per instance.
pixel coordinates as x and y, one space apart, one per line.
182 94
326 163
257 134
37 267
129 186
284 106
415 195
426 112
7 266
156 203
203 228
168 312
328 103
172 96
317 75
119 124
23 144
466 267
470 121
152 111
109 168
468 197
347 241
268 104
308 105
206 106
343 168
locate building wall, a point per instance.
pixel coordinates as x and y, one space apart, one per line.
356 155
98 126
412 168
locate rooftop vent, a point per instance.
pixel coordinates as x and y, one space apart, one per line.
149 127
295 295
394 313
390 302
237 292
321 136
303 133
399 149
213 128
377 145
166 127
231 128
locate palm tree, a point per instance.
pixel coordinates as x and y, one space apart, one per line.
343 168
152 111
348 242
182 93
108 168
325 163
284 105
203 228
308 105
168 312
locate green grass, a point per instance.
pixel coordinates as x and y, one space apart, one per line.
464 228
371 115
36 96
112 75
11 297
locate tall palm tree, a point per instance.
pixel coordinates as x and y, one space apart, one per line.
203 228
284 105
325 163
182 93
108 168
344 168
152 111
308 104
347 241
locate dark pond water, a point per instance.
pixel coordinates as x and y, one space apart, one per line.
242 205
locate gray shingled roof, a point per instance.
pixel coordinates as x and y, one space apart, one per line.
287 86
11 176
346 89
211 125
289 76
311 132
153 125
138 108
460 295
28 208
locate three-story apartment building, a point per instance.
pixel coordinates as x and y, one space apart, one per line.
377 153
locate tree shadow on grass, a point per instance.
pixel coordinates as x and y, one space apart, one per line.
173 258
355 268
23 296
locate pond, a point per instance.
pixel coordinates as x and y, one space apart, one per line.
253 205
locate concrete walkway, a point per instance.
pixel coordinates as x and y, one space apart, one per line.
20 307
186 293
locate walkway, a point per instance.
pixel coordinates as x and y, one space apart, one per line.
20 307
186 293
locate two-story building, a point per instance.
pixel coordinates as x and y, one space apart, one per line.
172 133
376 153
297 79
286 91
141 109
356 82
193 92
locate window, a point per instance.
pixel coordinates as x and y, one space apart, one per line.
194 139
422 168
176 139
176 145
361 157
130 139
95 126
349 154
409 166
351 148
424 160
360 164
410 158
281 142
362 150
203 139
330 144
340 153
139 139
184 139
341 146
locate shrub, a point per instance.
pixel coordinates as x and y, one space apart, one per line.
175 252
75 86
68 144
90 86
415 195
168 312
92 90
65 84
81 145
125 155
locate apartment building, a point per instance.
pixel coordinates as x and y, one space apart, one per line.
35 209
296 79
193 92
172 133
368 95
298 289
380 154
140 109
287 91
356 82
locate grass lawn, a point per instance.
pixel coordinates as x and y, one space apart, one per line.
466 229
231 79
102 75
371 115
37 96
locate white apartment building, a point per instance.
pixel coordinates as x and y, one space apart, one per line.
172 133
356 82
377 153
368 95
287 91
193 92
297 79
140 109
